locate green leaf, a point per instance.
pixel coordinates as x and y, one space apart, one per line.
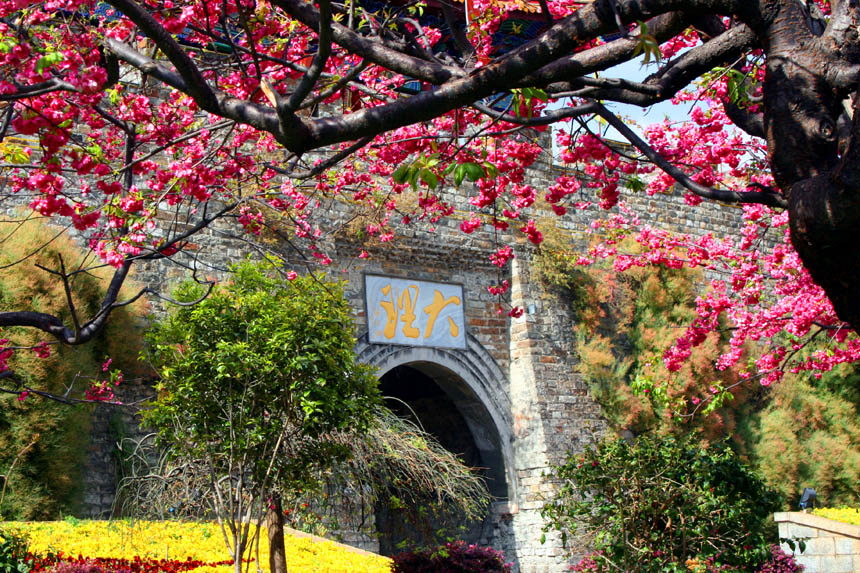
429 178
459 174
473 171
48 60
400 174
635 184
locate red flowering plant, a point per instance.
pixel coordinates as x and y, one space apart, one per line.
140 123
59 563
453 556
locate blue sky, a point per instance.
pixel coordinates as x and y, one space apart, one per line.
634 70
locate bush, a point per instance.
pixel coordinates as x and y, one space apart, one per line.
802 419
624 322
780 562
13 552
657 504
47 441
451 557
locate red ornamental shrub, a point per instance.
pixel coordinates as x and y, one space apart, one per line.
456 557
87 566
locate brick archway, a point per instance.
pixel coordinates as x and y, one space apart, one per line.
472 380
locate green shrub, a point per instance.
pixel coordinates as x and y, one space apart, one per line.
45 482
656 504
623 324
13 552
806 435
256 380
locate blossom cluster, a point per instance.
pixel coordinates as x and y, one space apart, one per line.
132 168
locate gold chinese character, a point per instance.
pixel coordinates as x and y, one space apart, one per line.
407 305
390 308
452 327
433 310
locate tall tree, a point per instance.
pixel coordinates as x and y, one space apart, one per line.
255 380
124 112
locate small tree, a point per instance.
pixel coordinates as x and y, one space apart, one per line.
252 381
657 504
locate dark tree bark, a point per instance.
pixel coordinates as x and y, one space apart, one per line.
808 79
275 526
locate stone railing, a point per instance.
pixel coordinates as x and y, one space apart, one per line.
831 546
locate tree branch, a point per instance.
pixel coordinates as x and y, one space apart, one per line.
51 85
723 195
307 82
604 56
372 50
291 133
55 327
546 118
725 48
564 37
195 83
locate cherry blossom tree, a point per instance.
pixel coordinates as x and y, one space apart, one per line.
140 123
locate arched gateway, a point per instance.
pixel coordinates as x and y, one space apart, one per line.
472 381
499 391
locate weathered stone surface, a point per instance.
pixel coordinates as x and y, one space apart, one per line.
518 376
831 546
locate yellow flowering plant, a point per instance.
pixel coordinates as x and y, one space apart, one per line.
844 514
182 541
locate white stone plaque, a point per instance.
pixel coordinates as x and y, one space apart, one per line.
414 313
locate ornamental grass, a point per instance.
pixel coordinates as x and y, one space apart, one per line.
175 540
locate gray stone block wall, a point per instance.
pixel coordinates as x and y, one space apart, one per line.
551 409
830 546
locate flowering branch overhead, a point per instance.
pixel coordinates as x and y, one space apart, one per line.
126 116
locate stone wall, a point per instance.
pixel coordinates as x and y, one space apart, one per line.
830 546
541 407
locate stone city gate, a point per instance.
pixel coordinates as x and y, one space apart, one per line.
507 395
458 396
500 392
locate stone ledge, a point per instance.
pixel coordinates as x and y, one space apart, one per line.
818 522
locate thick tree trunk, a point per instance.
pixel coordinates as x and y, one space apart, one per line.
802 109
825 231
275 525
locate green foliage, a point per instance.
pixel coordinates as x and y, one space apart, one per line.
655 504
806 435
647 45
425 493
13 552
45 481
262 369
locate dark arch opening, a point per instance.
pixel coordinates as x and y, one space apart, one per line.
444 405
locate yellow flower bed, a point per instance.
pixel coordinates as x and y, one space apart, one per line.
181 540
843 514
